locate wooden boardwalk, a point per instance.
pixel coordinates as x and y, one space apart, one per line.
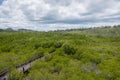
22 68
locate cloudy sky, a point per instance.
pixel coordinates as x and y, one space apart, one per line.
58 14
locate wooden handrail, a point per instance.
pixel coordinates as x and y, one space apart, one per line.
6 70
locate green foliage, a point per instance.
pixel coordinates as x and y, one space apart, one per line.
78 55
51 50
90 54
47 44
15 75
36 46
58 44
48 57
68 49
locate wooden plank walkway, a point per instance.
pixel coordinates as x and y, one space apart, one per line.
23 67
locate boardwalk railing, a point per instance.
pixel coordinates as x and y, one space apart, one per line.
4 71
31 60
7 69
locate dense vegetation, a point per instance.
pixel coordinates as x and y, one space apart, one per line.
90 54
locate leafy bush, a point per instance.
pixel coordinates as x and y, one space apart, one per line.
6 49
69 49
15 75
58 44
51 50
47 44
48 57
78 55
36 46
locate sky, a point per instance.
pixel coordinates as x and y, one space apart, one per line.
44 15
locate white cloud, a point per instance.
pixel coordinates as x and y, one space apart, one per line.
22 13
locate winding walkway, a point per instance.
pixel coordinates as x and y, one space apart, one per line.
22 68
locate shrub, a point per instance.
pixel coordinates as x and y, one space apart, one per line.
51 50
15 75
78 55
47 44
48 57
36 46
6 49
58 44
40 54
69 49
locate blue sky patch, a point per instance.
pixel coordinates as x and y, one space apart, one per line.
1 1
